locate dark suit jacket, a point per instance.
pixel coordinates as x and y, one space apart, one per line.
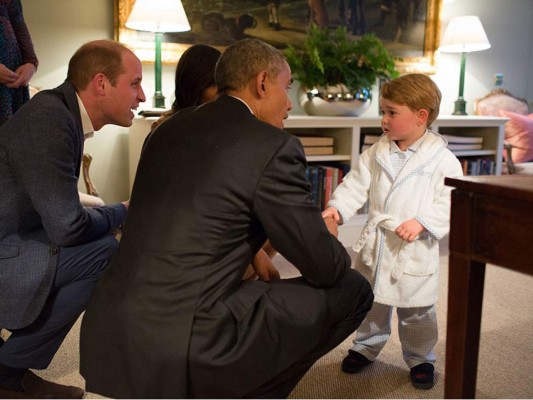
41 148
171 317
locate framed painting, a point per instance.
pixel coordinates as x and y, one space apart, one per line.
410 29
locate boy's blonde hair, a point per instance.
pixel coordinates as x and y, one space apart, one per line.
415 91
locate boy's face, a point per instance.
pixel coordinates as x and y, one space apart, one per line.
402 124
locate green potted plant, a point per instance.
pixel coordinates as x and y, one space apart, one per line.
336 72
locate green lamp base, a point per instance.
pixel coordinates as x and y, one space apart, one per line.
159 100
460 107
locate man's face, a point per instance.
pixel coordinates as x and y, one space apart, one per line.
127 93
277 102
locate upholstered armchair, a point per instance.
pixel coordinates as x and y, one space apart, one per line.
518 141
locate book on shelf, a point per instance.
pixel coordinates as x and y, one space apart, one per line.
324 179
368 140
318 150
463 139
371 138
315 140
465 146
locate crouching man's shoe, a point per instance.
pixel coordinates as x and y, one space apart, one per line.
33 387
422 376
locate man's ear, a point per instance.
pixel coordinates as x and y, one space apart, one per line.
99 83
260 81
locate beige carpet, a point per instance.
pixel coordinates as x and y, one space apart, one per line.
505 364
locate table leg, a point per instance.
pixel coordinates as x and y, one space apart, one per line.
465 297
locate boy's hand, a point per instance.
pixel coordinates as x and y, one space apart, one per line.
333 213
409 230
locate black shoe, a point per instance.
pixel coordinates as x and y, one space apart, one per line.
354 362
33 387
277 26
422 376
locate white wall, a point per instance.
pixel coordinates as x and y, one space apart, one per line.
509 28
59 27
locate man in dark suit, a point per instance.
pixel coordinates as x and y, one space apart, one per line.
172 317
52 250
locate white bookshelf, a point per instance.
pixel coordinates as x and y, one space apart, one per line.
348 132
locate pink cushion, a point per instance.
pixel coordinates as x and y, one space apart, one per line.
519 133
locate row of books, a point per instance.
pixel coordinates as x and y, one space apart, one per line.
324 179
454 142
317 145
478 166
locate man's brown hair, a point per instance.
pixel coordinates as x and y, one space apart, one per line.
98 56
243 60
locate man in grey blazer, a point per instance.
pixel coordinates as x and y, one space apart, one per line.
52 249
172 317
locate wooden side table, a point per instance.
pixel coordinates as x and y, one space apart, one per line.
491 222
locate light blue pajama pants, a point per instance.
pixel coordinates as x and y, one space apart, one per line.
417 329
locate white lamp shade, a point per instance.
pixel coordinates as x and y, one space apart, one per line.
464 34
158 16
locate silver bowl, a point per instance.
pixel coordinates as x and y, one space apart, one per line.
335 101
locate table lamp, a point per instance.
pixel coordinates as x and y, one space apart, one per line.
158 16
463 35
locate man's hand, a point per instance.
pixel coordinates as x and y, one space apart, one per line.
263 267
332 226
271 251
409 230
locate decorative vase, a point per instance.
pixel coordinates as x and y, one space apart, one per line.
335 100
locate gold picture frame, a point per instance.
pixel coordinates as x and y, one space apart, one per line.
420 59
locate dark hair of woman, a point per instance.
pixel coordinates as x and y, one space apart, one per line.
195 78
195 72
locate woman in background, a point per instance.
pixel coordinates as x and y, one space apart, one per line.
18 61
195 79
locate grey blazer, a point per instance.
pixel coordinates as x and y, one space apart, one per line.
41 148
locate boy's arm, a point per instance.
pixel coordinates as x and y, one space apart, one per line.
435 217
352 193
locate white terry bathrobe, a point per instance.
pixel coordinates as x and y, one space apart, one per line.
403 274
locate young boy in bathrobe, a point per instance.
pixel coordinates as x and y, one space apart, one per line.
402 177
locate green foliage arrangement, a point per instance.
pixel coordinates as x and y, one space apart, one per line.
331 57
